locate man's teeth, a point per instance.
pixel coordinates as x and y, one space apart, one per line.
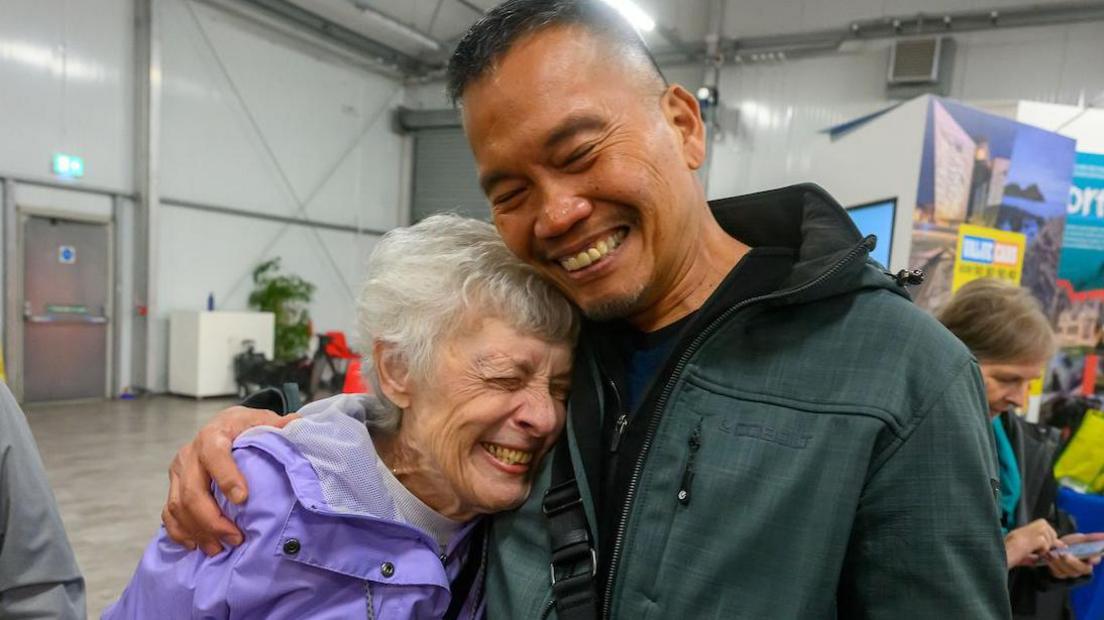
592 254
508 455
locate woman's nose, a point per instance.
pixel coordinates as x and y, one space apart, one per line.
539 416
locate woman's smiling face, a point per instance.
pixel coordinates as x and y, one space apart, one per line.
492 408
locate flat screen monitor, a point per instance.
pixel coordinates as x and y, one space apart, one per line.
876 218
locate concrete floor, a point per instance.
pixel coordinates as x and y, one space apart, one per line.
107 463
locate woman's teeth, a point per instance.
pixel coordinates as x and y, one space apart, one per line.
594 253
508 456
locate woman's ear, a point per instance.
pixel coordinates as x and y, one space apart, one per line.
394 374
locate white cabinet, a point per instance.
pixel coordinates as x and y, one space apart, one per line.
202 346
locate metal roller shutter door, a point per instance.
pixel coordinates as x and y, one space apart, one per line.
444 176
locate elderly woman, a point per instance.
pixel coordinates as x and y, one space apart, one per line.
1005 329
470 355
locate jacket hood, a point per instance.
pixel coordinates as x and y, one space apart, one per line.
340 458
831 255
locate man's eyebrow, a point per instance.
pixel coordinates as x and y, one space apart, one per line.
567 129
571 126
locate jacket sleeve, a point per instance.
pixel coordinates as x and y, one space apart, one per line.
39 577
926 539
172 582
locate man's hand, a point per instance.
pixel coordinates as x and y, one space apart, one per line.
1065 566
191 516
1024 545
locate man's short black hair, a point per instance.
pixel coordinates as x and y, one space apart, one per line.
494 34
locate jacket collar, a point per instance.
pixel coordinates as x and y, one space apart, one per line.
315 452
806 219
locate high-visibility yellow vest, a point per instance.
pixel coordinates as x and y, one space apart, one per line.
1082 463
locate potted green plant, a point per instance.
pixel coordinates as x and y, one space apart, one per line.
286 296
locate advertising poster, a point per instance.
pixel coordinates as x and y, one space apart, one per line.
988 171
987 253
1082 259
1081 267
1079 319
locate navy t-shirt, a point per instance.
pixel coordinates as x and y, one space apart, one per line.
645 353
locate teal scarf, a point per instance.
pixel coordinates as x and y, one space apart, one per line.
1010 484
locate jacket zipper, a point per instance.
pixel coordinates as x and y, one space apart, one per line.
693 445
653 422
622 418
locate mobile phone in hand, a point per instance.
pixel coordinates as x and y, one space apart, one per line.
1079 551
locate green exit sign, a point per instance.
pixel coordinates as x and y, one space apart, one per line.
68 166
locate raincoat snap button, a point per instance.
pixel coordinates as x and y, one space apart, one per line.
387 569
291 546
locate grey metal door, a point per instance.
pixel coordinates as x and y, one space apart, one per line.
66 280
445 178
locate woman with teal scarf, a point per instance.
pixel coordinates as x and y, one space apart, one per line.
1005 329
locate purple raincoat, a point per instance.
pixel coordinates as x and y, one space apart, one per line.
323 539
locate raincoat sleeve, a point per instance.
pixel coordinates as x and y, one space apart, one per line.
172 582
39 577
926 540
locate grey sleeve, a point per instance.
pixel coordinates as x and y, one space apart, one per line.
39 578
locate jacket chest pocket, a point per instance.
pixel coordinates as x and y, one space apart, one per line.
735 486
736 445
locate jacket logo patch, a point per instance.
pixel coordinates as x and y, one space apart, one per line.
762 432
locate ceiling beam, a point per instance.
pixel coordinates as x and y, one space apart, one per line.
473 7
817 42
332 31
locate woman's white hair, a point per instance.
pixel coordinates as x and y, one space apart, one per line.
425 281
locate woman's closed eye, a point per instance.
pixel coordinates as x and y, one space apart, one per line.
559 393
507 382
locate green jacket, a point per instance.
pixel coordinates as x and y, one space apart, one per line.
842 460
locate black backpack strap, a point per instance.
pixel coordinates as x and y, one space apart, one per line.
574 563
461 587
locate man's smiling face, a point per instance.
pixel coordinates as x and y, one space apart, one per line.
588 161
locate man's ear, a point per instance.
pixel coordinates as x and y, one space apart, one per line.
394 373
683 114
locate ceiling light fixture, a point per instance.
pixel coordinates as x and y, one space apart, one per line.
394 25
636 15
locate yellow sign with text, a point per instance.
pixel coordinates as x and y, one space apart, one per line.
987 253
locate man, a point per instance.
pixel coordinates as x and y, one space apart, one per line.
39 577
762 425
